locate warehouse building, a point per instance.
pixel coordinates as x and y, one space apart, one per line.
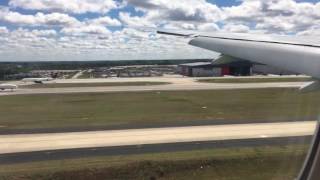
228 66
223 66
198 69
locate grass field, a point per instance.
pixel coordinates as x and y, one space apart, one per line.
255 80
279 163
155 108
103 84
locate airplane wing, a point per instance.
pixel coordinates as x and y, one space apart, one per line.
292 53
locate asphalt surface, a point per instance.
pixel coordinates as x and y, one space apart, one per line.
135 137
199 122
176 84
154 148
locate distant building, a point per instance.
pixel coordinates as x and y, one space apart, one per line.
198 69
221 67
228 66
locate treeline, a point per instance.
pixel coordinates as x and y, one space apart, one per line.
11 68
16 67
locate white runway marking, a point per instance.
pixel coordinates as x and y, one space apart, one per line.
93 139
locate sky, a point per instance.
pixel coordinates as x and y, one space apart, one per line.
72 30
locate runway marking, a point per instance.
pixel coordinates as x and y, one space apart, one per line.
93 139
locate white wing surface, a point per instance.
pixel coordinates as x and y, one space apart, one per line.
292 53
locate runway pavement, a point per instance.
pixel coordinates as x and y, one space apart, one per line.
64 154
118 138
168 87
177 83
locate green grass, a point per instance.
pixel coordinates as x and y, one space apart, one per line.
256 80
140 108
103 84
278 162
155 108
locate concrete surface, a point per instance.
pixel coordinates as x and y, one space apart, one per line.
177 84
117 138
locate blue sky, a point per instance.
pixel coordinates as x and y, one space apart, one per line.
114 30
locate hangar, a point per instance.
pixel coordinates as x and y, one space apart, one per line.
222 66
198 69
228 66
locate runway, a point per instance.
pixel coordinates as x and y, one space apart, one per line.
176 83
151 136
174 86
65 154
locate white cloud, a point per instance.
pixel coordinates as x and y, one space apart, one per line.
31 40
272 16
179 10
105 21
34 34
276 24
70 6
128 43
17 18
3 30
83 30
39 19
246 11
55 32
181 25
281 16
44 33
209 27
133 33
56 19
313 31
179 14
135 21
236 28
